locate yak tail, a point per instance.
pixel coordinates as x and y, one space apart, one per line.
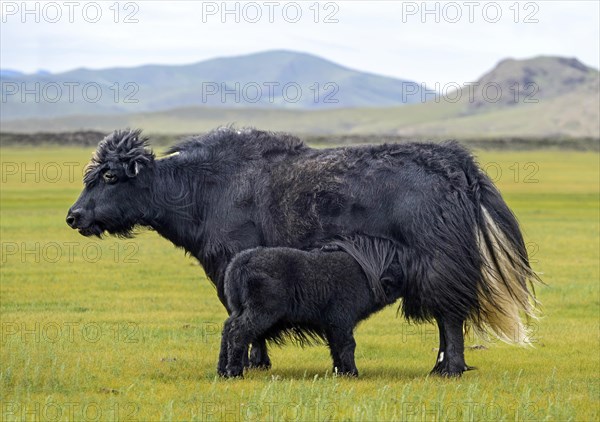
506 290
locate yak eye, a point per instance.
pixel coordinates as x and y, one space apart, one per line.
109 177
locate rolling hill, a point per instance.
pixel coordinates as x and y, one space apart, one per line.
531 81
567 105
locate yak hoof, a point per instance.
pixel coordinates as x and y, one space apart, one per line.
446 370
451 372
447 373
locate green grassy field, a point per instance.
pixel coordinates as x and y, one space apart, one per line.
129 329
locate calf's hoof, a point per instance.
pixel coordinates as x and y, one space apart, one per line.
246 361
345 372
350 374
234 373
259 360
262 366
222 372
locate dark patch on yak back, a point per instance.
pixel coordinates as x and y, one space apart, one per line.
358 210
330 204
306 191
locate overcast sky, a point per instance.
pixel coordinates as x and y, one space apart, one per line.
386 37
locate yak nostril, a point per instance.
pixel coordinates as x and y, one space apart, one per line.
72 218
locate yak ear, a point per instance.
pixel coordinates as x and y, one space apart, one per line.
132 168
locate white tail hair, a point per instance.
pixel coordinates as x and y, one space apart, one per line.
503 293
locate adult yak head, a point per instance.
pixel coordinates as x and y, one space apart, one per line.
117 189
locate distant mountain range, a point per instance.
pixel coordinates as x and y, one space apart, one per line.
273 79
8 73
538 97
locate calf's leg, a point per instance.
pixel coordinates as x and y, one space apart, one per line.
244 329
259 357
335 353
342 345
237 346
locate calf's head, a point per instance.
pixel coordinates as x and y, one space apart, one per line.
117 186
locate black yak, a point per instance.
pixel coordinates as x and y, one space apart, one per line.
230 190
273 292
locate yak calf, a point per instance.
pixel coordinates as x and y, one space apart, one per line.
324 293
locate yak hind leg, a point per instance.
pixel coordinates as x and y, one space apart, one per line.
259 357
451 355
437 369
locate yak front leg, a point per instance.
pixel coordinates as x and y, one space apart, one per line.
224 352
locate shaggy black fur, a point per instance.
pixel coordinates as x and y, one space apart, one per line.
232 190
273 292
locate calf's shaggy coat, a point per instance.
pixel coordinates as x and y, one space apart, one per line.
230 190
273 292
